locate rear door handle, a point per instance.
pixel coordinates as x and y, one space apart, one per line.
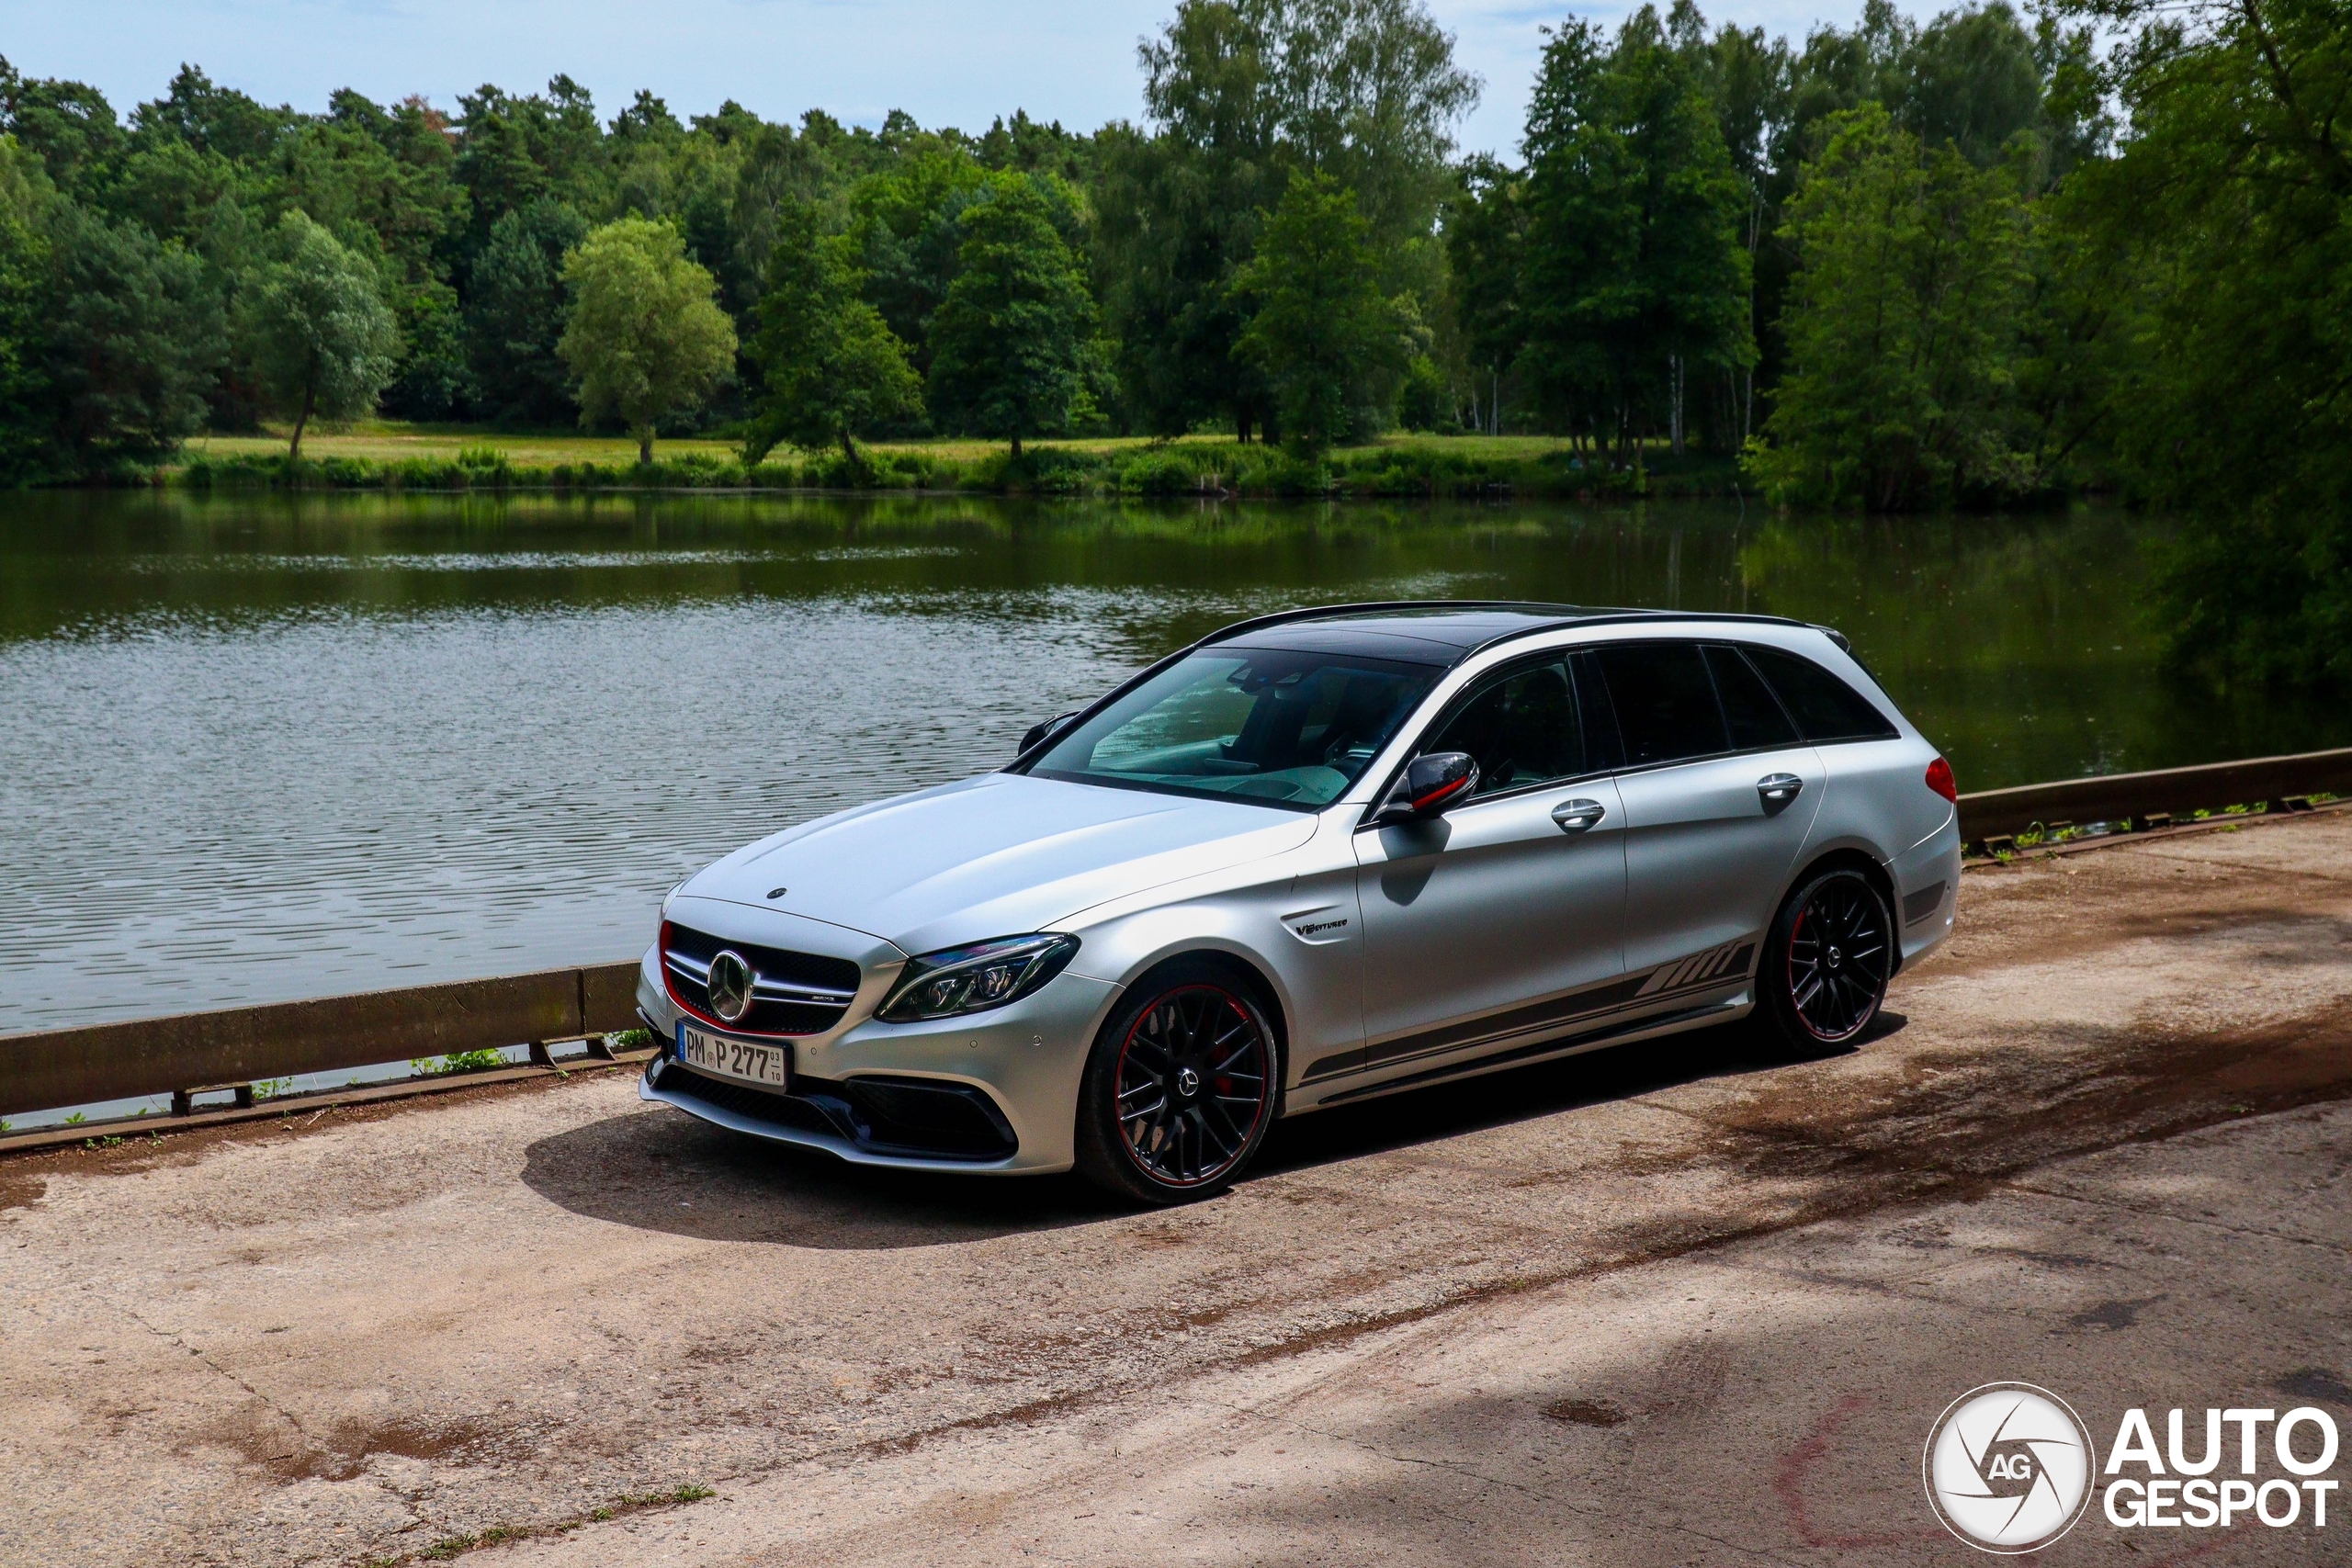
1779 789
1577 816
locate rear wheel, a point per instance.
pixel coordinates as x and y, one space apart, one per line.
1179 1088
1827 962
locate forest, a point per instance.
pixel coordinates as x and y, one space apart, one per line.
1983 260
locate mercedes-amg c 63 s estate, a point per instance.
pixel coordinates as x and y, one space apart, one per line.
1314 858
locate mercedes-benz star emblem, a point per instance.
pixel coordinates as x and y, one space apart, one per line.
730 985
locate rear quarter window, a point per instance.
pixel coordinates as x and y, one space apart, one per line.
1665 701
1755 717
1825 707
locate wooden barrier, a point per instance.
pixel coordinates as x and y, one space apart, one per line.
2119 797
256 1044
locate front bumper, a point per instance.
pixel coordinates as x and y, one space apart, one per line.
1026 1059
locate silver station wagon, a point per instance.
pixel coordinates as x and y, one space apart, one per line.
1315 857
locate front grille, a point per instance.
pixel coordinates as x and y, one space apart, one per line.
795 993
912 1118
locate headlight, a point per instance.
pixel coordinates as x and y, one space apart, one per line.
976 978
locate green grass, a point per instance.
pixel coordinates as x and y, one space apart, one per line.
456 1062
386 457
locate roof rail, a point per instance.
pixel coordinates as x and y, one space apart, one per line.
1582 614
1384 607
1621 617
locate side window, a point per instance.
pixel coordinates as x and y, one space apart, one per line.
1755 715
1665 701
1520 724
1825 707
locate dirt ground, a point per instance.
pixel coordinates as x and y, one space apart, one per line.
1667 1305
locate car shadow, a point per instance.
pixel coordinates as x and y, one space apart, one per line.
660 1169
1516 1094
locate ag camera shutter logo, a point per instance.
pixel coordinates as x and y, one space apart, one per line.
2008 1467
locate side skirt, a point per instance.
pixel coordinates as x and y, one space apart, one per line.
1621 1034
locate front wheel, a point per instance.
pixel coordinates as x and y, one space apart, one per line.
1826 963
1179 1088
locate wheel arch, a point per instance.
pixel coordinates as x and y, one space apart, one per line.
1852 857
1246 971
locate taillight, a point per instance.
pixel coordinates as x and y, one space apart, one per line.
1940 779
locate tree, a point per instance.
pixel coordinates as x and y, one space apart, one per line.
2230 206
510 150
319 339
1486 239
832 366
133 333
1748 79
1010 342
1367 91
1179 211
25 197
645 341
1636 272
1239 94
515 314
905 235
68 125
1902 326
1320 328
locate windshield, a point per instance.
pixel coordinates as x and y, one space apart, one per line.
1267 725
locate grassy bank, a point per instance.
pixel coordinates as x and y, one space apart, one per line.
412 458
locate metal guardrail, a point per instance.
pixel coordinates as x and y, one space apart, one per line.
2174 792
259 1045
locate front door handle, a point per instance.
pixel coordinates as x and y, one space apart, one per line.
1779 789
1577 816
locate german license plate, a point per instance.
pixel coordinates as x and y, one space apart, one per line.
739 1059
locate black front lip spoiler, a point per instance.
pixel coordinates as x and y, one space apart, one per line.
875 1119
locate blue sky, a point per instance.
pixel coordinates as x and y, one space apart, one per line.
945 63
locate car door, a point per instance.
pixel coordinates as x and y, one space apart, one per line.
1485 924
1719 793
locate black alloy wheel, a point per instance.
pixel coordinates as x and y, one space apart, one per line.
1180 1089
1826 964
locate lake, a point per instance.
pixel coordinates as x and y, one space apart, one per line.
258 748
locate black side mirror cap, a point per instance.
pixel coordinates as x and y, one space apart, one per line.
1431 785
1041 733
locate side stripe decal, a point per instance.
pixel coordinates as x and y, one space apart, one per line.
1716 967
1696 968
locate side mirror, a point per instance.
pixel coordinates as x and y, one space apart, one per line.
1430 786
1041 733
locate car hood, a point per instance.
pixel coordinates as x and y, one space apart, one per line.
996 855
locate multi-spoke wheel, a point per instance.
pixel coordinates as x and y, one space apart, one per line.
1179 1088
1828 961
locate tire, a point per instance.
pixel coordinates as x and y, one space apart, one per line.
1827 962
1179 1088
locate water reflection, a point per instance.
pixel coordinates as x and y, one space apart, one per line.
258 748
